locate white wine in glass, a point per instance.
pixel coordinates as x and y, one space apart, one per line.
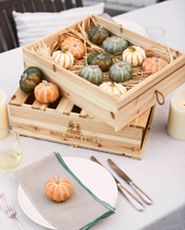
10 151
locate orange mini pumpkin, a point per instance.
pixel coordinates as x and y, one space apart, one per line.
46 92
74 46
153 64
58 189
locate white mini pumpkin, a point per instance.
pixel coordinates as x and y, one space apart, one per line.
134 55
113 89
65 60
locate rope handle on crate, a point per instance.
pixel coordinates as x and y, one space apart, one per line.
159 97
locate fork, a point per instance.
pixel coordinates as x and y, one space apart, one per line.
8 210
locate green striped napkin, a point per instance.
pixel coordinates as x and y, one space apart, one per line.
82 211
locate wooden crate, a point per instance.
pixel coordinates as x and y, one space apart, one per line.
115 112
66 123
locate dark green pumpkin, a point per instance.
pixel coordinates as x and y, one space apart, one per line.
98 34
30 78
103 60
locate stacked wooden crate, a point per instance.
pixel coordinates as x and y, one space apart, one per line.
66 123
116 125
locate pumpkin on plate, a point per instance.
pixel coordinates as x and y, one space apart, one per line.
58 189
46 92
134 55
153 64
120 72
98 34
30 78
65 60
92 73
113 89
103 60
74 46
115 45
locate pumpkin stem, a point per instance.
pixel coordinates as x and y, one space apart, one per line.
132 49
45 82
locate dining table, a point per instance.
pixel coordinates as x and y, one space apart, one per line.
161 172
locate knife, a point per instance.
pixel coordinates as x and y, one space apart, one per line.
125 177
131 198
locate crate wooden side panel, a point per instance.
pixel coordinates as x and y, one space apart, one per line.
86 95
64 125
145 100
129 145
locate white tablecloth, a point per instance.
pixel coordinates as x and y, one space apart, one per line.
162 171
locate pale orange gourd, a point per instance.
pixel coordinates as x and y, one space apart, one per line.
153 64
74 46
58 189
46 92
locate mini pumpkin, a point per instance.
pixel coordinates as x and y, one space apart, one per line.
65 60
58 189
120 72
74 46
153 64
113 89
30 78
134 55
98 34
115 45
92 73
46 92
103 60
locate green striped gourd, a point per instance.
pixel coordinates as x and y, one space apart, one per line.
92 73
115 45
120 72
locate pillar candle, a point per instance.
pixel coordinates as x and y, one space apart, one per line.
176 119
4 124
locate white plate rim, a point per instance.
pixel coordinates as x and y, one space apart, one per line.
26 204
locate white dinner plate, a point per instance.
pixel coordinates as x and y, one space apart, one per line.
94 176
131 25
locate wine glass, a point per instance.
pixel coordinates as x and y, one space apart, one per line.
10 150
156 33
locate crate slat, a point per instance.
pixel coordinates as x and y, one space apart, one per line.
141 121
38 105
19 97
65 106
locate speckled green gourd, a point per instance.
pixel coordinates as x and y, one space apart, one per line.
115 45
92 73
30 78
98 34
120 72
103 60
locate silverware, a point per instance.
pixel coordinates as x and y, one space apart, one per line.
125 177
8 210
129 196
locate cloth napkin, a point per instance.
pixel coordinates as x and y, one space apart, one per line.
81 211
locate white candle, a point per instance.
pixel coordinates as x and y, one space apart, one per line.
176 119
4 124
